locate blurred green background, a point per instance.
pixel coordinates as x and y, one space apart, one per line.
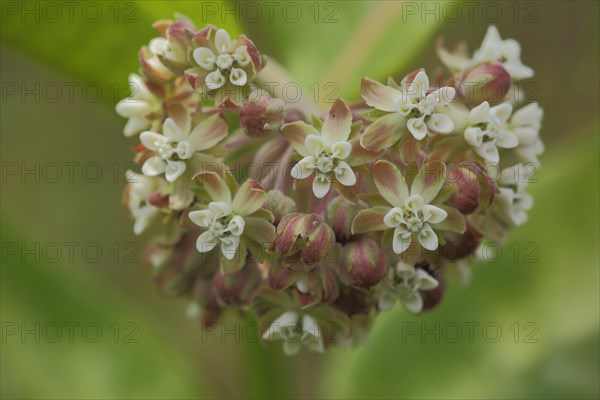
148 348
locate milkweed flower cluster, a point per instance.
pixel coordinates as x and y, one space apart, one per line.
369 204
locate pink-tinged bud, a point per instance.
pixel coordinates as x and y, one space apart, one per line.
339 215
279 204
486 82
353 301
261 115
303 240
320 286
473 187
159 200
463 179
363 264
236 289
431 298
182 265
461 245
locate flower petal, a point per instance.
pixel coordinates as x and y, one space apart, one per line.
214 80
242 56
433 214
314 144
418 87
370 220
238 77
413 302
174 170
393 218
201 217
442 96
428 238
507 140
249 198
205 58
384 132
402 239
216 188
208 132
414 203
206 242
172 131
502 111
286 320
321 185
454 222
341 150
236 225
429 180
154 166
390 182
219 209
304 168
488 151
440 123
424 281
378 95
417 127
222 41
296 132
229 246
480 114
338 123
474 136
152 140
344 174
260 231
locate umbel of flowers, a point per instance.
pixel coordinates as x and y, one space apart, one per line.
363 206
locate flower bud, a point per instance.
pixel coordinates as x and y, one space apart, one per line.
431 298
486 82
353 301
304 240
261 115
339 215
363 264
279 204
236 289
458 245
463 179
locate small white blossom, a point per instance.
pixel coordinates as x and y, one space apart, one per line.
327 162
512 199
526 123
420 107
138 107
415 217
487 130
228 63
140 189
295 330
222 227
406 283
508 52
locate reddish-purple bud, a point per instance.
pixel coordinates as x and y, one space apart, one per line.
485 82
472 187
353 301
261 115
458 245
236 289
363 264
431 298
339 215
279 204
303 240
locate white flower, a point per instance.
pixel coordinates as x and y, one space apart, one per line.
508 52
420 107
327 162
140 189
160 46
295 332
177 145
512 199
415 217
138 107
222 227
525 123
326 153
488 130
227 63
406 283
